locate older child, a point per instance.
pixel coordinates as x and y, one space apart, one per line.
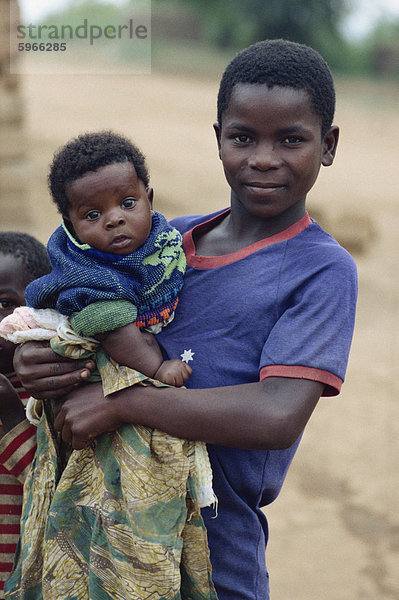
266 313
115 262
22 259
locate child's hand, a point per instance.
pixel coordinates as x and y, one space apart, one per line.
12 411
45 374
84 414
173 372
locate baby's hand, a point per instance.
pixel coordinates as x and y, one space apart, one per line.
12 411
173 372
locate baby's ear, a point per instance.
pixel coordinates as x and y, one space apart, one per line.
68 223
150 195
330 142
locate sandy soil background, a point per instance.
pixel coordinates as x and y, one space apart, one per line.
335 527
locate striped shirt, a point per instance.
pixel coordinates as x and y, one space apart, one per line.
17 449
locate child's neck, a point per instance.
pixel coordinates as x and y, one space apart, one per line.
237 231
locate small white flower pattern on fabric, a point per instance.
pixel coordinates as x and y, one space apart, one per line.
187 356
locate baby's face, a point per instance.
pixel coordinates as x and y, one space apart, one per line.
111 209
12 288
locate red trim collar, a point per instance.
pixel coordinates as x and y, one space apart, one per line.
210 262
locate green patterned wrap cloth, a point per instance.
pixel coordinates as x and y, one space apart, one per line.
118 520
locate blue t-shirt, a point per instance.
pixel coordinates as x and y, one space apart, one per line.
283 306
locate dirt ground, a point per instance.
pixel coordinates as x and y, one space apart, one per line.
334 530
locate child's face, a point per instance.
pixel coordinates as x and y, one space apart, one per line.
12 288
111 209
271 147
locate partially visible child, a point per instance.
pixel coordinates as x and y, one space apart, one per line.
22 259
122 516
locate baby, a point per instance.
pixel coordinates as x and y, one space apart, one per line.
121 516
116 263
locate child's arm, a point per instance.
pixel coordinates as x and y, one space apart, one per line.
139 350
130 347
267 415
270 414
12 411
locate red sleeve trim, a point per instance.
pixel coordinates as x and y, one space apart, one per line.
332 383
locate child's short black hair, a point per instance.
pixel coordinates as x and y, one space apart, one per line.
286 64
29 251
90 152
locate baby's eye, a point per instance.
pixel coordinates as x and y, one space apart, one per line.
93 215
128 202
242 139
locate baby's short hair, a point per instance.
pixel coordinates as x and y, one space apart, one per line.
90 152
285 64
31 253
